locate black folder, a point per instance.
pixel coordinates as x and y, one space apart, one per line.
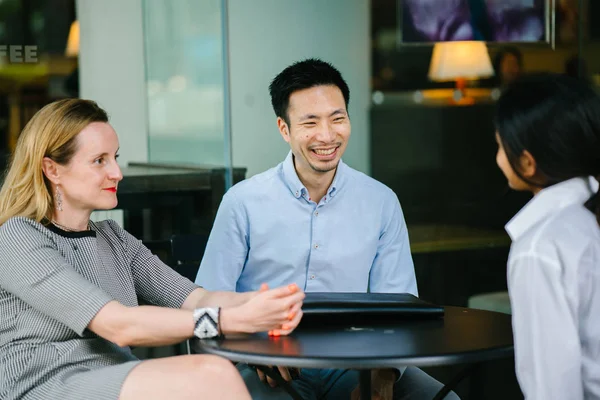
365 304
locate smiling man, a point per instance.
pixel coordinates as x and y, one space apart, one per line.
314 221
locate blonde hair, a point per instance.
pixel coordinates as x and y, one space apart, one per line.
51 133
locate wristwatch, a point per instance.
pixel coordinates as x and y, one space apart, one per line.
206 322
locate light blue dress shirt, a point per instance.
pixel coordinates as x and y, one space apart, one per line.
267 229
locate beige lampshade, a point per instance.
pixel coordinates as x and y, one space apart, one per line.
465 60
73 40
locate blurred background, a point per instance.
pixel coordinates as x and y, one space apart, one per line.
186 86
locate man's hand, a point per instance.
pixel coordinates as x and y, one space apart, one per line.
285 372
382 385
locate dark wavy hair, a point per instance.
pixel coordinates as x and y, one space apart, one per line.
556 118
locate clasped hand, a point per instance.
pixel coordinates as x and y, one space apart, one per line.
277 311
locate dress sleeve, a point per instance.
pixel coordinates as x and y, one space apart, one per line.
155 282
32 269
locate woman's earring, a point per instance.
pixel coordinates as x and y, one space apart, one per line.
58 200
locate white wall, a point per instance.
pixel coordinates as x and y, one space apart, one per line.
111 69
265 36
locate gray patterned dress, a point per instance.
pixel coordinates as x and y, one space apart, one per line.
52 284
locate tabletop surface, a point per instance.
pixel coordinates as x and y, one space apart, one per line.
463 335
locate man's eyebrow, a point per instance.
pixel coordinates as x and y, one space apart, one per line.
308 116
339 111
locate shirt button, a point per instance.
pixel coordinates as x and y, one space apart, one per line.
312 277
316 246
316 213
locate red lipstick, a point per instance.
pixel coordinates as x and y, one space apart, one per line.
113 189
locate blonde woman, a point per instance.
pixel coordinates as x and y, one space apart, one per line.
69 287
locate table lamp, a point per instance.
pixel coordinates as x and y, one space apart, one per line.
72 49
460 61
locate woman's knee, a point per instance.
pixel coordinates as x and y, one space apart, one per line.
186 375
213 365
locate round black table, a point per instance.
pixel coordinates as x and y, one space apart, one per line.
463 335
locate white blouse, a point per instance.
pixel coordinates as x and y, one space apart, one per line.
554 287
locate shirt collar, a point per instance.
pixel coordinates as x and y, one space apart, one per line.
295 185
549 200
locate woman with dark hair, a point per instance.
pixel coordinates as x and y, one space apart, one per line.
508 65
548 134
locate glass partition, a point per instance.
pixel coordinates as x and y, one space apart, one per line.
185 82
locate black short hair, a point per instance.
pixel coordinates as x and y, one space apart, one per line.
303 75
556 118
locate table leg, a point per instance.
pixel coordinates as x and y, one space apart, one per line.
365 384
455 381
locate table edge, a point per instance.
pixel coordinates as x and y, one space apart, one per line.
361 363
466 357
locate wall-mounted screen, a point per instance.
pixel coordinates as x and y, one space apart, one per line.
506 21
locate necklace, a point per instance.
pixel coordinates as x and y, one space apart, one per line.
66 228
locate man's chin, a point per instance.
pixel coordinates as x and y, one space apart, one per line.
325 166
